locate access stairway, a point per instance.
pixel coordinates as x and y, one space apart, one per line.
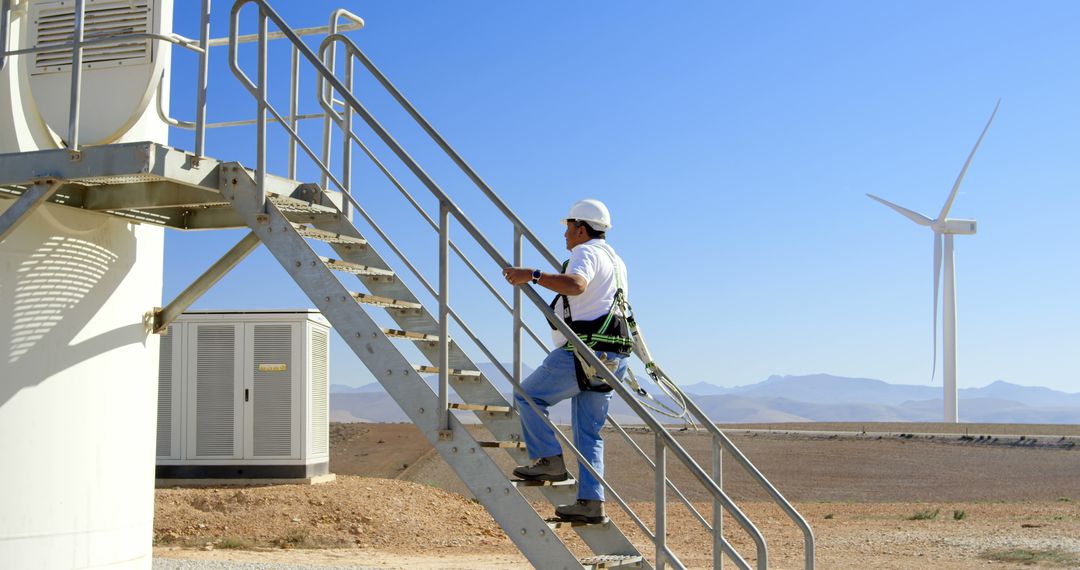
357 286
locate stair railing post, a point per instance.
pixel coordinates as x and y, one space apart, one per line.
517 309
346 141
328 122
76 75
444 318
260 129
661 504
204 74
718 510
294 96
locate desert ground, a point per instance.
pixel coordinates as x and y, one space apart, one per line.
877 496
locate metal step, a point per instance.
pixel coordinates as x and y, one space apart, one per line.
480 407
502 444
377 301
611 561
534 483
355 268
328 237
423 369
408 335
288 205
557 523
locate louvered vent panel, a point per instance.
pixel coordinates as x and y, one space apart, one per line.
214 390
164 396
273 390
54 25
320 388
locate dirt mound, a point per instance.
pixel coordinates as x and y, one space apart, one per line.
375 450
349 512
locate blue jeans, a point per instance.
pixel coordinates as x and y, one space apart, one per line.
552 383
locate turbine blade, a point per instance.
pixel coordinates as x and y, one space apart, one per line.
937 283
963 171
913 216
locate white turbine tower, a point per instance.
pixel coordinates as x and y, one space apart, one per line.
947 227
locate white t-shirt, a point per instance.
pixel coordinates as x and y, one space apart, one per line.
593 261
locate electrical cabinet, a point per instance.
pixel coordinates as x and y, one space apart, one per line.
244 395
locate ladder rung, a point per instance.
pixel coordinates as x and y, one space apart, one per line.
354 268
377 301
535 483
611 561
328 237
556 523
479 407
407 335
502 444
453 371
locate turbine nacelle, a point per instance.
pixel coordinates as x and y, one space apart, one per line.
956 227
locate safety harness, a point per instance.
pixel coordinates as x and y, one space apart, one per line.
618 332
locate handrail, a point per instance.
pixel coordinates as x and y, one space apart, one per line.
445 146
334 28
194 125
329 110
778 498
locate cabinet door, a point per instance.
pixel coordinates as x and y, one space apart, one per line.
271 376
170 405
215 400
320 392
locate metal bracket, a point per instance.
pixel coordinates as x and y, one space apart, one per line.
25 204
163 317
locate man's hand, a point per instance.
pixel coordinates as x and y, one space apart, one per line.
517 275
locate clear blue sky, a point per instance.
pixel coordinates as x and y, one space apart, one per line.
734 143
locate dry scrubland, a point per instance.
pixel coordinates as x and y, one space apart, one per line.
893 502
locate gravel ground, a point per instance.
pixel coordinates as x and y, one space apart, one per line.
888 504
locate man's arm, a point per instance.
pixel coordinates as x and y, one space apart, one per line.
558 282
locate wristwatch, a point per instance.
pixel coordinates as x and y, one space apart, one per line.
536 276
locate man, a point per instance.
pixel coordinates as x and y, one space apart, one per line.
587 290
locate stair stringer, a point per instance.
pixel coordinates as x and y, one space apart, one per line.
462 453
602 539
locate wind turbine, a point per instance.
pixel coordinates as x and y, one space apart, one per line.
947 228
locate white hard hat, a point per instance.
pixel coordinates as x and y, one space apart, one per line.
593 212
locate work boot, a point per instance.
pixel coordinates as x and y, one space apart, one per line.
544 469
584 510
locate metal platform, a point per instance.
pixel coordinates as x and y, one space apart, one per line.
145 182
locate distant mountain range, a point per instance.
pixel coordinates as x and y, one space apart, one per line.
811 398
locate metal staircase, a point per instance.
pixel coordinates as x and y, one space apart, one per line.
152 183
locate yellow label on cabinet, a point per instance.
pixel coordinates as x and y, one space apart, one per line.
273 367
